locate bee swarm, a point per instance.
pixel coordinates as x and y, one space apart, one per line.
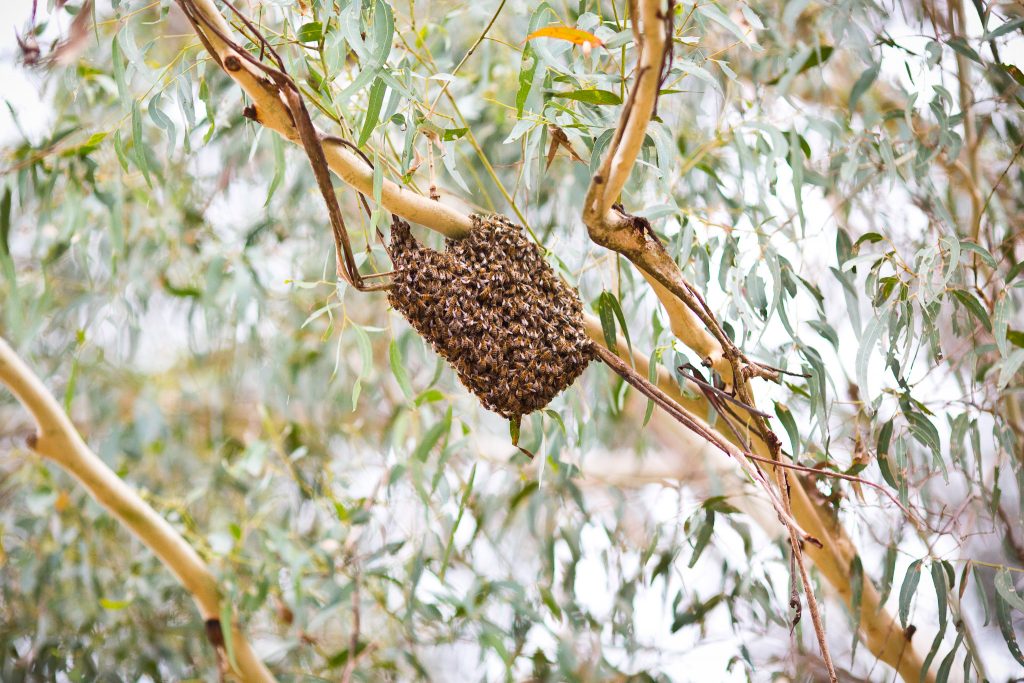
495 310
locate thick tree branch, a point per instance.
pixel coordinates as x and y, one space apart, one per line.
57 440
610 226
639 109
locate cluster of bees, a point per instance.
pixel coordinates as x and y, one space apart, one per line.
495 310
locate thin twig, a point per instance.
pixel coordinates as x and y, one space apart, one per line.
469 53
698 426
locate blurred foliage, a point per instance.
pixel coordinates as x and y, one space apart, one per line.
844 181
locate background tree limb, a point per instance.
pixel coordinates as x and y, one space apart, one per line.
57 440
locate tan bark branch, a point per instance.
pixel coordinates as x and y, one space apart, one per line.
57 440
693 323
636 116
272 111
611 228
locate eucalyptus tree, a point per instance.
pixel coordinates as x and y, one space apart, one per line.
795 232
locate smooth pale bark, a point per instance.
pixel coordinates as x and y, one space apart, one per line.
614 229
57 440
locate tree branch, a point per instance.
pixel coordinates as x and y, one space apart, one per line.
57 440
639 108
272 111
610 226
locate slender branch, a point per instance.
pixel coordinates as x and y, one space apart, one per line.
57 440
812 606
469 53
705 431
971 137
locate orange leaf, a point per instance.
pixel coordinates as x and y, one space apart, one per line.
573 35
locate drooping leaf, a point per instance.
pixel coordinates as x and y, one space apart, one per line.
432 436
5 223
398 369
707 528
695 613
311 32
888 573
613 303
960 45
856 594
373 106
908 589
864 82
942 676
607 317
1005 588
973 306
1005 619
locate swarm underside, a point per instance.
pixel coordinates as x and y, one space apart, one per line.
495 310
